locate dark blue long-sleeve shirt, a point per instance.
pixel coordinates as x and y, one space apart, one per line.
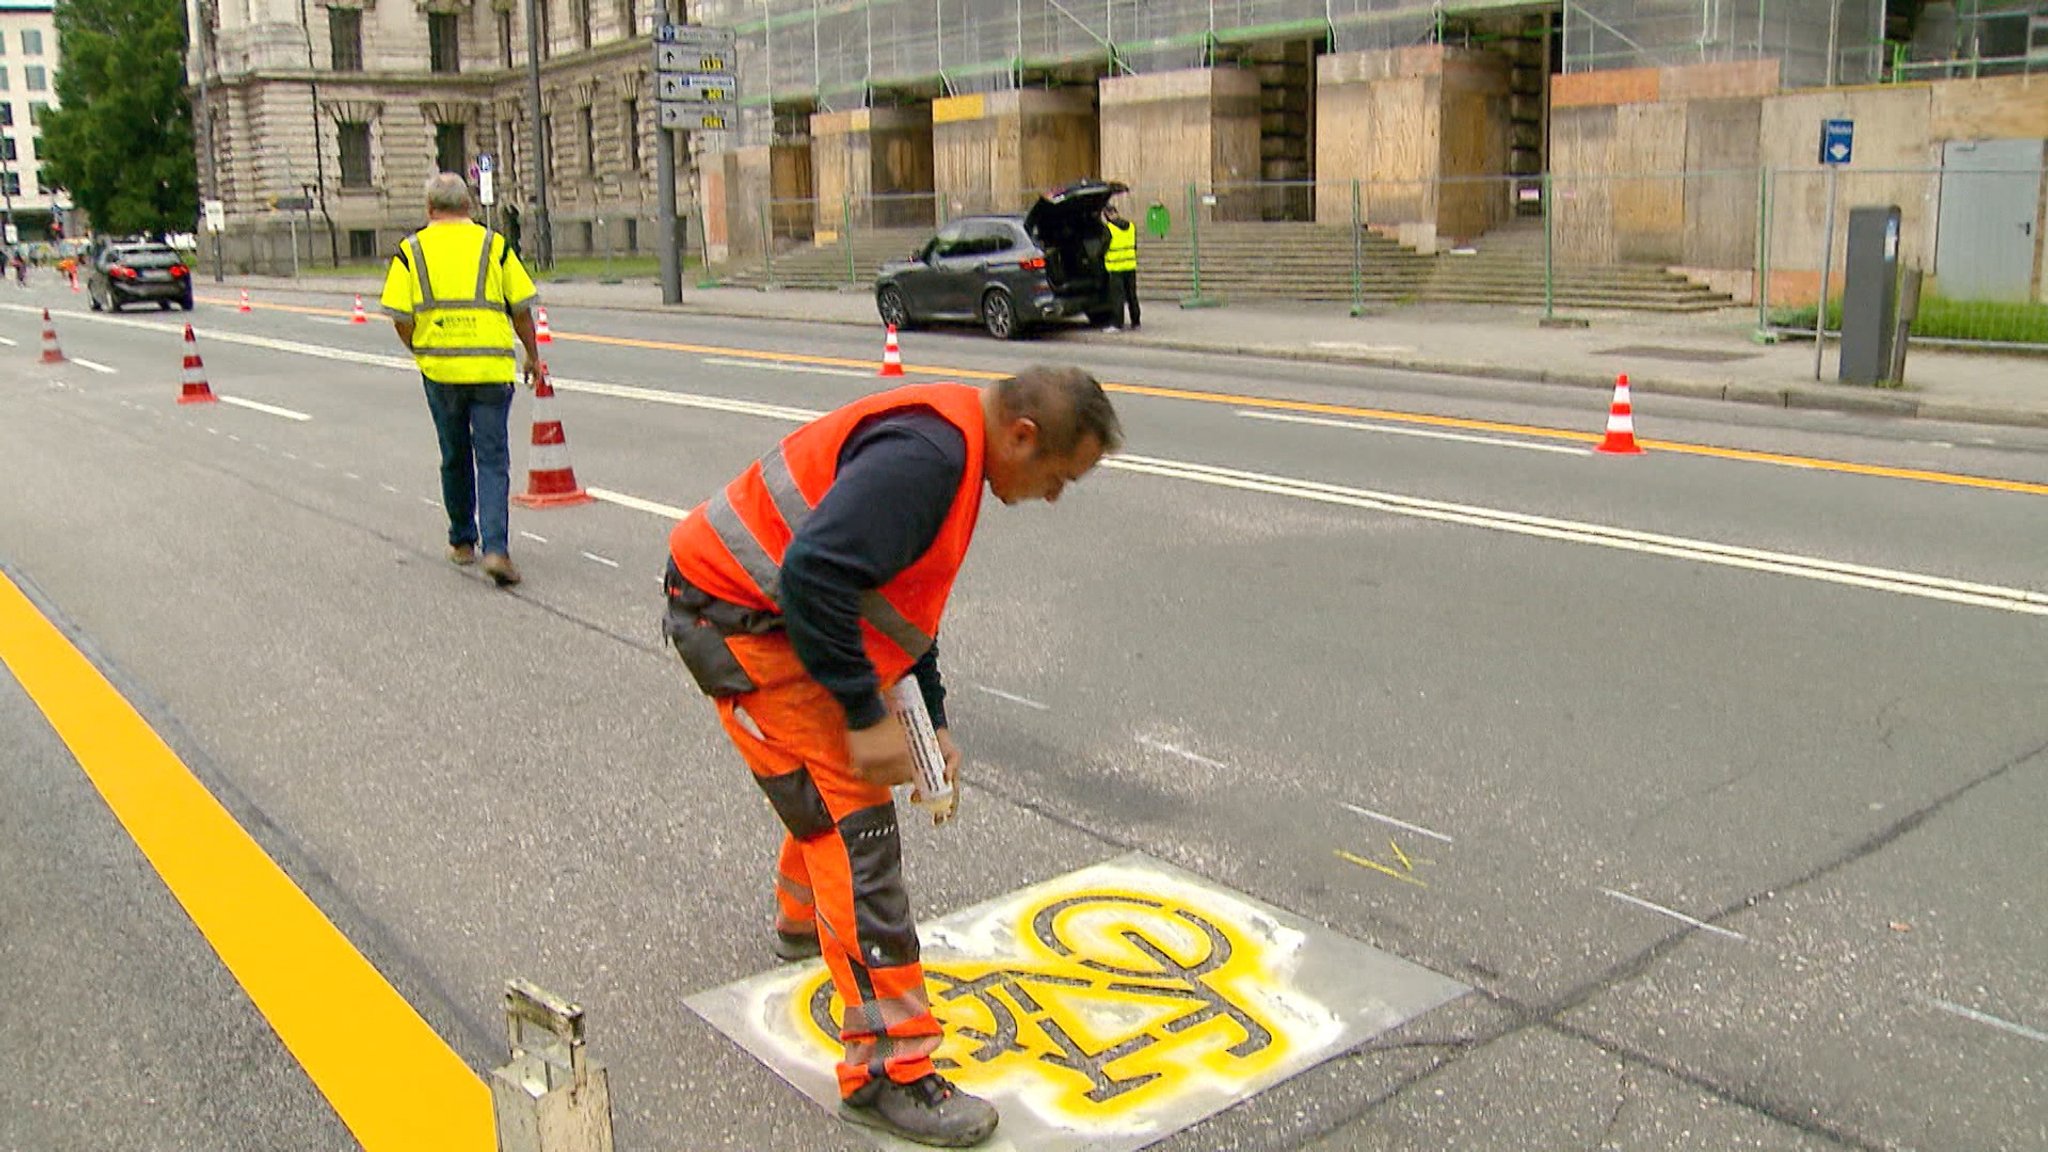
898 475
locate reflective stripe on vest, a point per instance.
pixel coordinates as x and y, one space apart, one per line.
1123 249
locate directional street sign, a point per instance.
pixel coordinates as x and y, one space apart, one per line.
680 116
697 87
1837 141
696 84
690 58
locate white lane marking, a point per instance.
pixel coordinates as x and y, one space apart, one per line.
235 438
2020 1030
1659 908
535 539
604 560
256 406
2024 600
332 320
1393 430
1012 697
431 503
288 455
637 504
9 343
687 400
95 365
213 431
775 366
351 476
1197 757
387 488
1418 829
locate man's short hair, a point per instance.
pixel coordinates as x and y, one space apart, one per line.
447 192
1067 404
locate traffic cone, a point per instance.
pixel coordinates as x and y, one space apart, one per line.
1621 423
541 335
359 318
550 479
245 301
196 390
51 353
892 356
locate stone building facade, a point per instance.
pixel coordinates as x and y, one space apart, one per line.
320 121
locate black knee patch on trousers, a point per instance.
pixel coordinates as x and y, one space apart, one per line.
795 798
881 907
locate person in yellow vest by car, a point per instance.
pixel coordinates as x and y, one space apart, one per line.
1121 262
463 306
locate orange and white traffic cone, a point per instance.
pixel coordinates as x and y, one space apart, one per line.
550 478
245 301
196 390
541 335
358 317
51 353
892 356
1621 423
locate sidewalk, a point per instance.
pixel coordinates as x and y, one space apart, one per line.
1711 356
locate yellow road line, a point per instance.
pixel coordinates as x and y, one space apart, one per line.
1271 404
1376 866
395 1084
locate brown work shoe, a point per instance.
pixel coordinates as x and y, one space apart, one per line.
499 567
928 1111
463 554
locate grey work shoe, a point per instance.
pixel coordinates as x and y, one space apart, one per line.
499 567
462 554
797 947
928 1111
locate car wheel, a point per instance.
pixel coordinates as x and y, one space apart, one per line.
186 303
163 305
93 298
894 308
1101 318
999 315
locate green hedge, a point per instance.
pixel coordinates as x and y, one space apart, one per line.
1944 319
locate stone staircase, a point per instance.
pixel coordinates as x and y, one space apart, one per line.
1296 261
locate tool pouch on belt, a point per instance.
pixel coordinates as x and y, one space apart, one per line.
698 627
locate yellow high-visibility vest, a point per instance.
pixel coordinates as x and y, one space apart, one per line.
1123 248
459 283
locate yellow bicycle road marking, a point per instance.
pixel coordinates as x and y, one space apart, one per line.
1235 400
395 1084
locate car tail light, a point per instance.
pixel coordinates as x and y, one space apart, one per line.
1035 264
121 272
178 271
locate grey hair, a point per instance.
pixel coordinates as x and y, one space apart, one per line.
447 192
1067 404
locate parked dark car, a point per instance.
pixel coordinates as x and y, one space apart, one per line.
138 273
1008 274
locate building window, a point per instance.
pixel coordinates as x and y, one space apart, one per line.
345 39
362 243
444 42
31 42
3 44
547 144
546 8
451 148
3 78
7 114
589 237
9 150
626 29
505 38
12 182
579 14
632 126
36 112
36 77
589 140
355 155
632 235
508 159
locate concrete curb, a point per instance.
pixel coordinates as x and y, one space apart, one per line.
1902 404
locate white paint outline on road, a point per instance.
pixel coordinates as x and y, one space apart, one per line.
1163 746
2020 1030
1661 910
1012 697
2024 600
95 365
637 504
1418 829
604 560
10 343
1425 433
776 366
259 406
532 537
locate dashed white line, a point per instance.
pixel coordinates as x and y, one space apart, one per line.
2020 1030
95 365
289 456
269 409
430 502
235 438
1012 697
1418 829
1393 430
1197 757
775 366
351 476
211 431
388 488
9 343
1661 910
638 504
535 539
604 560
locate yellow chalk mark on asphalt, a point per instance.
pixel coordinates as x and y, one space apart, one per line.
394 1082
1272 404
1382 869
1401 856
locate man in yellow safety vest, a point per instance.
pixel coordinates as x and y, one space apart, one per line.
463 305
1121 262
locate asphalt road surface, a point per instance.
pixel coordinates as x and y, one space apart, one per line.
1718 773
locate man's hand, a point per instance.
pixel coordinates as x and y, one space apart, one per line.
954 759
880 754
534 370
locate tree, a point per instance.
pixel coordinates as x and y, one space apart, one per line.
121 141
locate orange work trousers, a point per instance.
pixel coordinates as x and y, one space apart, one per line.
841 865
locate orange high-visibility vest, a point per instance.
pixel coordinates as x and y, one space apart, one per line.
731 546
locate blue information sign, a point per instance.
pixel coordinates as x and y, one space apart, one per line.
1837 141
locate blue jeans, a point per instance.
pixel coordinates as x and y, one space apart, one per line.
476 460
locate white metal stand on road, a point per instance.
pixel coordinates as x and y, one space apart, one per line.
551 1097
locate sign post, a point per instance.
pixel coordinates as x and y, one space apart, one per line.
696 89
1837 148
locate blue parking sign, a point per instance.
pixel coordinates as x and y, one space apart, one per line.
1837 141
